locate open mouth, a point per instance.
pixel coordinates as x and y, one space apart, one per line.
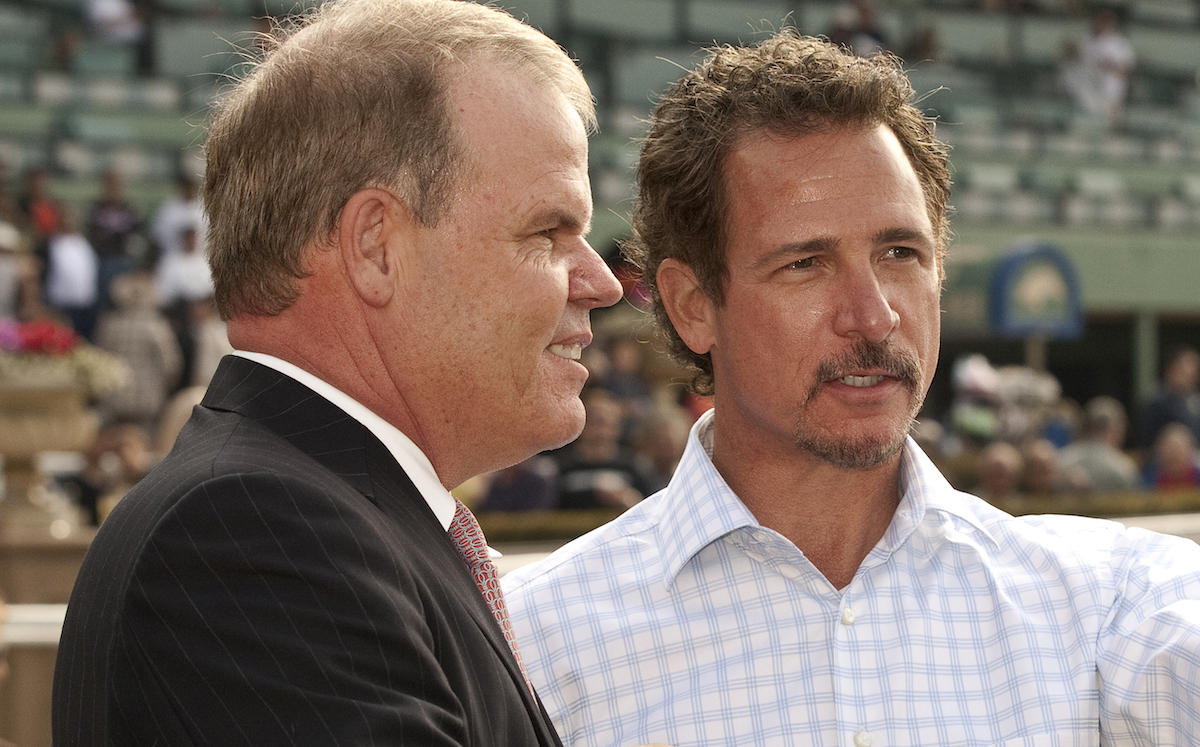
861 381
570 352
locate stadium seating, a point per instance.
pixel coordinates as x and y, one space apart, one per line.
1022 154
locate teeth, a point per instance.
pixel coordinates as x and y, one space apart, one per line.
861 380
572 352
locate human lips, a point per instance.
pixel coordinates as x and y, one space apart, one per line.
869 365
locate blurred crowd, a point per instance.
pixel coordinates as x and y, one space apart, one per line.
634 435
1012 433
137 286
1093 70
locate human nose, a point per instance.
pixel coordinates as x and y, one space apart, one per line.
593 284
863 308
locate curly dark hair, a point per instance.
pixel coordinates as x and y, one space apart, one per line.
790 85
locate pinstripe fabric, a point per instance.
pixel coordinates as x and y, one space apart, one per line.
279 581
686 622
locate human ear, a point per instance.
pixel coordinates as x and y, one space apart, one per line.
370 236
688 306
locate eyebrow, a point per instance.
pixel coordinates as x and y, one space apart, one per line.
812 246
902 235
828 243
555 217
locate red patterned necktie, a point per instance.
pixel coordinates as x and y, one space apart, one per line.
468 538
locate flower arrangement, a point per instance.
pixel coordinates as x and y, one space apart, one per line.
41 353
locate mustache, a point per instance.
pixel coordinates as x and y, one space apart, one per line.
873 356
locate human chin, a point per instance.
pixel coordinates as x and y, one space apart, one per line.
851 453
552 398
562 421
873 444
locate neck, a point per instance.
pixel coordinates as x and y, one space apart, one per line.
834 516
323 344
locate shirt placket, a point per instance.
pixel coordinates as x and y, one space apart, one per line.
860 681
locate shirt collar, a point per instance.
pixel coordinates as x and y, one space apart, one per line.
699 507
410 458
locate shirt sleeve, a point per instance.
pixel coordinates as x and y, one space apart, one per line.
1149 652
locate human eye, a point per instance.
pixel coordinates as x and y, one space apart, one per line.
543 238
801 264
903 253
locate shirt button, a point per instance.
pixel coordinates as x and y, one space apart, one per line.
848 619
862 739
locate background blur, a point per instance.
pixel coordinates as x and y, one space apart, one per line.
1073 278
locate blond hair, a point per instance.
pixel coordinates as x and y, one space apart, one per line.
355 95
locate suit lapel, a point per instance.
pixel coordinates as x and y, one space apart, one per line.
323 431
308 421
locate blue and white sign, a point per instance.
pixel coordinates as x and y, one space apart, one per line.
1035 291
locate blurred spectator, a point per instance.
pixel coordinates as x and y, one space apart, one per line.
10 209
17 269
626 381
210 341
595 360
527 486
974 420
1106 60
183 282
72 274
119 456
40 211
1028 401
659 439
857 30
115 21
1061 421
139 333
1071 74
596 471
1043 473
174 414
178 213
923 47
1177 400
1098 455
112 227
1175 464
999 471
183 275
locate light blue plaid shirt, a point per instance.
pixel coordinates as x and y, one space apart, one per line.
685 621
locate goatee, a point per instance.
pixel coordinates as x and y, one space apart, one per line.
868 451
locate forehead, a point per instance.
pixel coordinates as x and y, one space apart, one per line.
502 111
521 138
833 181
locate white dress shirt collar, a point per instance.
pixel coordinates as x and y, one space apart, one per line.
700 507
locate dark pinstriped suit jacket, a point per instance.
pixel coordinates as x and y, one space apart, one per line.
278 580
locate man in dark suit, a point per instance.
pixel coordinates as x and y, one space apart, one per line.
398 196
